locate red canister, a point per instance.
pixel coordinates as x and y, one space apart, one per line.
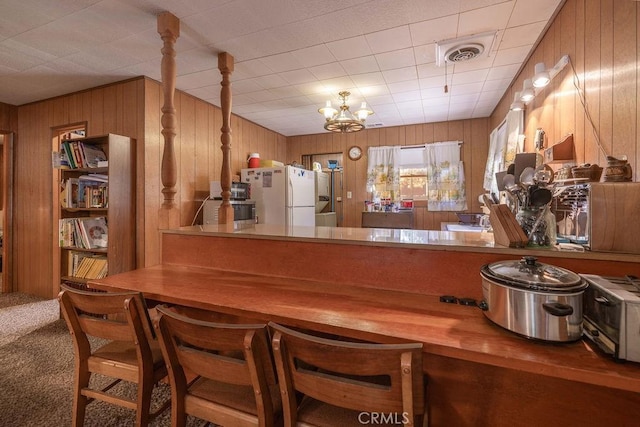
254 160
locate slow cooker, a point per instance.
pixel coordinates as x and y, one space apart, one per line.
533 299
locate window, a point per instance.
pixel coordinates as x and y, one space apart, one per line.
413 174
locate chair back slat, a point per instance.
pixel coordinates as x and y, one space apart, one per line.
357 376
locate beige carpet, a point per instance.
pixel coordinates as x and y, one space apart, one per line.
21 314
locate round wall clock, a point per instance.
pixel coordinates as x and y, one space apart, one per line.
355 152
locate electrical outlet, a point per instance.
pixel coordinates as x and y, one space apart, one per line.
348 194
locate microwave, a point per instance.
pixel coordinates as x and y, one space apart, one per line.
244 213
599 215
239 190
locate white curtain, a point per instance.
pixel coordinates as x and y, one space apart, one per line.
383 169
505 142
445 175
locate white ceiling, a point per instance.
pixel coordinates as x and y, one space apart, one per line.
290 55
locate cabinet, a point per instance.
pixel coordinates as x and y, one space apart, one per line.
402 219
93 200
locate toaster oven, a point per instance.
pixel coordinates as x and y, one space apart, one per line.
611 315
599 215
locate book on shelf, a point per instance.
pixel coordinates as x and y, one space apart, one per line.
88 266
69 193
82 155
84 233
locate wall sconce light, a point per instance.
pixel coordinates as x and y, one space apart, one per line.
541 77
517 104
527 91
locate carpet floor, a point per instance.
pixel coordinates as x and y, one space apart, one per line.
36 377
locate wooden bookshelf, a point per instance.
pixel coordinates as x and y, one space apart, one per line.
117 207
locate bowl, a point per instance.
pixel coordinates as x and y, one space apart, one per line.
590 172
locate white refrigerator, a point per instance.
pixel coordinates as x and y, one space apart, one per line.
283 195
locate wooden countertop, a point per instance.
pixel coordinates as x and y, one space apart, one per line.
414 239
449 330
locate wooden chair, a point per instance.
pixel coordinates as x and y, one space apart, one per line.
327 382
132 354
235 381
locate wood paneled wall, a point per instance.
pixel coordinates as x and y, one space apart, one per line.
603 43
130 108
474 133
8 118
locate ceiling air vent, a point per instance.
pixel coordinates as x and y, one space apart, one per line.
464 48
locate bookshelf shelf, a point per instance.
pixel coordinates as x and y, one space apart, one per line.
95 214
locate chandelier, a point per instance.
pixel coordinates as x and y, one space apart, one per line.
344 121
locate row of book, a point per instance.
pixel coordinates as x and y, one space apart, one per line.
86 191
84 233
79 154
87 266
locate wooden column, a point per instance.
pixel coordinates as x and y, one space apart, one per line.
225 212
169 30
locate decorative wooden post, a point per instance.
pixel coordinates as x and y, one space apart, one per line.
169 30
225 211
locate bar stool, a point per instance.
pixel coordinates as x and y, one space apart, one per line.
327 382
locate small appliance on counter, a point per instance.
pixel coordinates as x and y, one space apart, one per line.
239 190
244 211
612 315
533 299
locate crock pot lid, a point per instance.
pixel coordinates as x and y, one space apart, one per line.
531 273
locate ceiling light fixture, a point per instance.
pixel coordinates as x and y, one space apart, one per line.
517 105
344 121
527 91
541 77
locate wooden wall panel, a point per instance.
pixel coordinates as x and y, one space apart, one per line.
474 134
131 108
601 38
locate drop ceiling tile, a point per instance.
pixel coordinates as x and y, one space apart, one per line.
396 59
374 101
526 12
524 35
425 54
389 40
400 74
489 18
515 55
404 86
237 87
470 77
298 76
368 79
405 97
503 72
466 88
433 82
434 30
431 70
314 55
282 62
354 47
285 92
270 81
499 84
253 68
327 71
364 64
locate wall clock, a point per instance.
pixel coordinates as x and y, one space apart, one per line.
355 152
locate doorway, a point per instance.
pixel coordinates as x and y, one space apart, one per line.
331 164
6 212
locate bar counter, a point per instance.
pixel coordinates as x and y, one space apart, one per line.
383 285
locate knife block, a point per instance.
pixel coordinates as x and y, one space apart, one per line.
506 230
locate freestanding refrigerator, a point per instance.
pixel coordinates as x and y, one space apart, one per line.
283 195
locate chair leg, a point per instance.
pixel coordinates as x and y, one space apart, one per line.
178 415
79 400
145 388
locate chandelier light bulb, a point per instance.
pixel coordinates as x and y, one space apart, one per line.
328 111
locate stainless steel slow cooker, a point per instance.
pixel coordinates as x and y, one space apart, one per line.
533 299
